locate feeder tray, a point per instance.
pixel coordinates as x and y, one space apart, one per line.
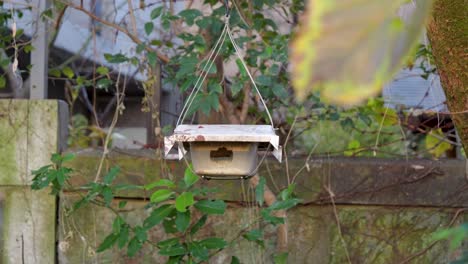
223 150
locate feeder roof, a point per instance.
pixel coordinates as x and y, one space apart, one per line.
223 133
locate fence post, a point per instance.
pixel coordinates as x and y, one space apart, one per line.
30 131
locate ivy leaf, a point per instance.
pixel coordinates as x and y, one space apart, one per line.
182 221
211 207
149 26
183 201
161 195
350 58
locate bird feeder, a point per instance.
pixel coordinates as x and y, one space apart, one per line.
223 151
220 151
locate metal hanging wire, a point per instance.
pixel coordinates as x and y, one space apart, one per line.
199 84
209 64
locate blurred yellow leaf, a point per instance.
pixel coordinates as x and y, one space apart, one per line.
435 143
348 49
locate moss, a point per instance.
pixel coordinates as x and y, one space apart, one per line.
447 33
388 235
13 125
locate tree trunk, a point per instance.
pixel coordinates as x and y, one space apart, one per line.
447 32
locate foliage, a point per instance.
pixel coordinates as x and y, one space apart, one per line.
180 208
349 59
456 235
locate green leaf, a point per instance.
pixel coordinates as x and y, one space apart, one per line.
182 221
152 58
349 71
108 242
168 242
235 260
198 251
242 70
102 70
110 176
155 13
68 157
161 195
353 146
266 214
107 195
263 80
255 235
183 201
122 204
260 191
190 15
123 237
133 247
435 143
55 73
158 215
160 183
117 224
115 58
140 233
286 193
281 258
214 243
149 26
190 178
68 72
198 225
174 250
284 205
103 83
211 207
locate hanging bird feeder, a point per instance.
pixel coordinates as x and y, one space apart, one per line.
223 151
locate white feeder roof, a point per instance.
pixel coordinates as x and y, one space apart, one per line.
223 133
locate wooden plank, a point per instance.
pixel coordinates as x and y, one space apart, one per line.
40 53
352 180
32 130
371 234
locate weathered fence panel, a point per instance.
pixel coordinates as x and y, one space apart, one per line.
30 132
387 210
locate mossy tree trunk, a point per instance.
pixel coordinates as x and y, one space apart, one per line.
447 31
